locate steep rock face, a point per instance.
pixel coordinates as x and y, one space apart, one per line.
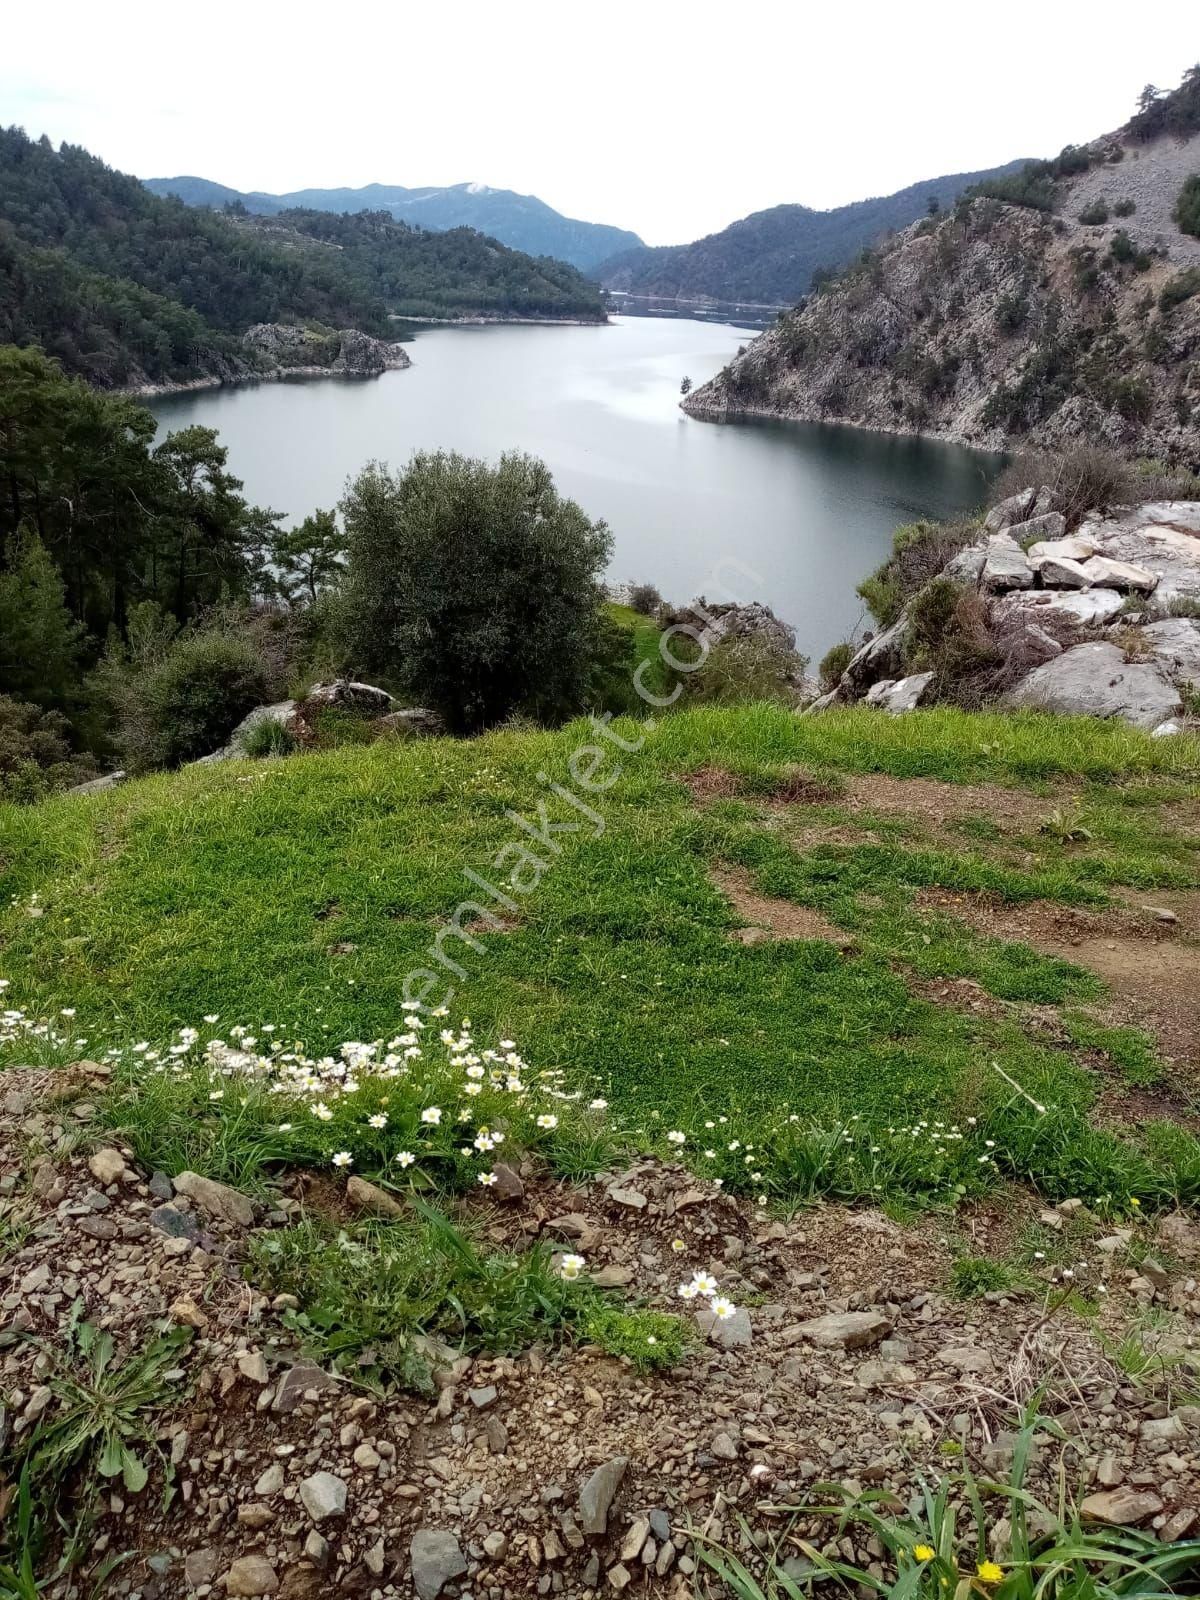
282 346
1004 323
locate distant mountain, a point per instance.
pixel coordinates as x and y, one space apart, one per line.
521 221
126 288
769 257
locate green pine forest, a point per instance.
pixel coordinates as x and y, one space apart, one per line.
123 287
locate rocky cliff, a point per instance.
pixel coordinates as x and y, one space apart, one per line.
336 351
1069 310
1100 622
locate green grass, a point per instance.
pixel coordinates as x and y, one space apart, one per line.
300 893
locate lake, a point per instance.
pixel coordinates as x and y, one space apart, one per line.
808 508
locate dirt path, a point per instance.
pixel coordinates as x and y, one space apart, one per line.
1152 967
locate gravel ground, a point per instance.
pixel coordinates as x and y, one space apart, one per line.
563 1471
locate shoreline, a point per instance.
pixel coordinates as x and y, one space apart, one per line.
711 413
502 322
156 391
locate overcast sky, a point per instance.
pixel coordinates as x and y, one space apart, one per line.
671 119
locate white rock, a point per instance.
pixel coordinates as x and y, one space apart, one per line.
1096 680
1106 573
1087 607
1014 509
1005 566
1059 572
1175 641
1073 548
899 695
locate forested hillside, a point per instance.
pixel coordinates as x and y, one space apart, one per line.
1060 303
770 257
124 287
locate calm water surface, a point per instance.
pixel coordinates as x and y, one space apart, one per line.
810 508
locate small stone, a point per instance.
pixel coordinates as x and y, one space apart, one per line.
270 1481
199 1566
497 1436
727 1332
323 1496
367 1457
481 1399
376 1202
967 1358
216 1199
612 1277
1156 1272
597 1494
316 1548
174 1223
1163 1428
107 1166
723 1448
619 1577
508 1185
632 1199
253 1367
296 1382
1161 914
495 1547
436 1558
1121 1508
251 1575
845 1330
254 1515
1109 1473
188 1314
1179 1525
376 1558
635 1538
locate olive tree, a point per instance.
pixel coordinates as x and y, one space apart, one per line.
472 588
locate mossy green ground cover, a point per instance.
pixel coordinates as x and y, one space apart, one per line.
302 892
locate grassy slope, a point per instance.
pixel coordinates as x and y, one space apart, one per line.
300 892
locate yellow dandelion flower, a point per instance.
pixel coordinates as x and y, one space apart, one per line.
989 1572
923 1552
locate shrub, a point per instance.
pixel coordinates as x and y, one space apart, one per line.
1084 478
475 588
1124 252
1187 207
1124 208
645 599
175 699
1179 288
919 552
739 670
35 755
833 663
1094 214
1131 397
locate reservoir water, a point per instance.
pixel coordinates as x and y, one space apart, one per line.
804 510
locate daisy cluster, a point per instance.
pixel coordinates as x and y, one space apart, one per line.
430 1093
51 1040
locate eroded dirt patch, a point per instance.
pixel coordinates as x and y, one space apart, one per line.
935 803
767 918
1152 968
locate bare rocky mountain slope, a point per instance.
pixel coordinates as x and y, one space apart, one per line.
1012 319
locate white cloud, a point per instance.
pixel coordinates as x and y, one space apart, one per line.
669 119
